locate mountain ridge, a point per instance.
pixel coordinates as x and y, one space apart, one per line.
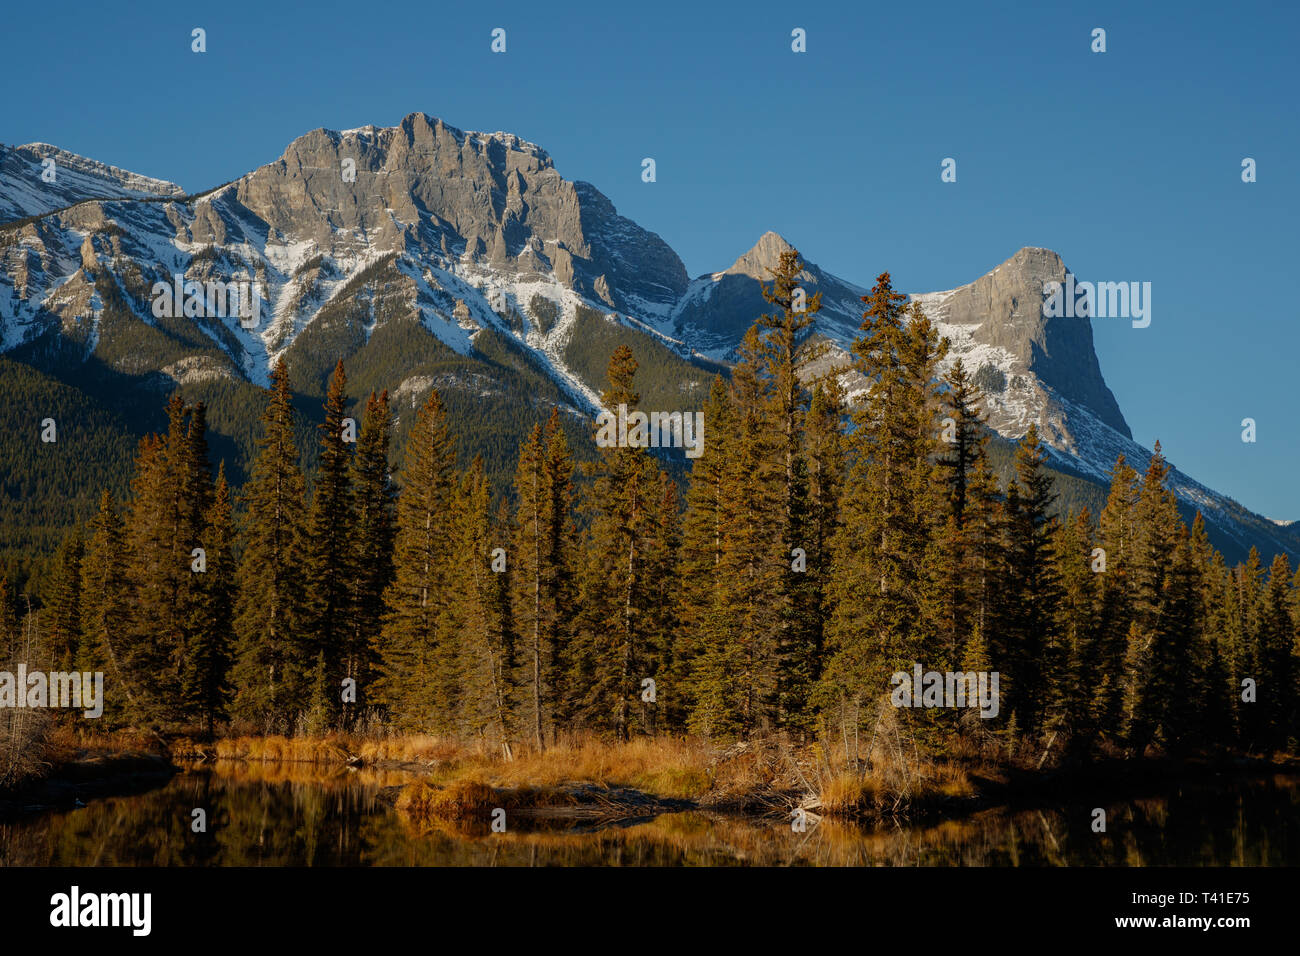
469 234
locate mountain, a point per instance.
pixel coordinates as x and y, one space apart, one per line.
39 178
428 256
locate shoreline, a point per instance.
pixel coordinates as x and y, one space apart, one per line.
70 784
459 788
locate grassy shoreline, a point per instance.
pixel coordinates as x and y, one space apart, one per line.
588 777
594 777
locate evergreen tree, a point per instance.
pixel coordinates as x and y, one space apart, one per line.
781 357
1032 651
1277 658
329 553
611 659
106 611
9 620
1116 537
273 670
543 574
204 687
698 665
826 475
61 617
374 529
883 620
486 641
964 434
159 561
417 684
1074 702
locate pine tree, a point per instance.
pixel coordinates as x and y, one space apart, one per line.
1215 691
953 578
704 590
159 545
9 621
1032 650
417 684
330 559
612 659
205 687
530 569
965 437
374 529
883 620
1278 670
782 358
273 672
1164 601
61 617
486 639
1080 655
106 611
543 574
663 552
1116 538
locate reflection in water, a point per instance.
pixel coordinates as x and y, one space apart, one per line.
301 815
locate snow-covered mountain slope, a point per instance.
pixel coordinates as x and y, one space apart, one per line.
466 233
38 178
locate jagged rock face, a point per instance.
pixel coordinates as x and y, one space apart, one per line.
28 192
718 308
427 188
464 232
1027 365
1004 310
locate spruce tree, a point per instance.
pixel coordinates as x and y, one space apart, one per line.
106 612
482 612
417 662
611 660
542 576
1117 539
205 689
61 616
374 529
273 670
329 557
1032 650
883 620
1278 669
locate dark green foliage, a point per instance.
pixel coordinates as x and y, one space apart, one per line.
665 380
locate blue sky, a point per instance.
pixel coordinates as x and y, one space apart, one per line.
1127 163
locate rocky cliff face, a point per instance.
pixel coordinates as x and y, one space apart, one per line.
429 190
29 190
1001 314
719 307
460 232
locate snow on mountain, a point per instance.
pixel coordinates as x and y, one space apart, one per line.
473 231
38 178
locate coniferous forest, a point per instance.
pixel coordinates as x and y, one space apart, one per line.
821 543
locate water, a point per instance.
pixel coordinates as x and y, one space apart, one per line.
297 815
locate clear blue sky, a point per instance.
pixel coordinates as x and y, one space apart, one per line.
1127 163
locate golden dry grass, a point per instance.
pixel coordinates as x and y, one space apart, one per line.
463 800
751 774
663 766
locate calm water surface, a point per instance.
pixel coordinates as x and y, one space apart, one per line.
303 816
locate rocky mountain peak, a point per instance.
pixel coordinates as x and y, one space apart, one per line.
1000 314
759 261
27 190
